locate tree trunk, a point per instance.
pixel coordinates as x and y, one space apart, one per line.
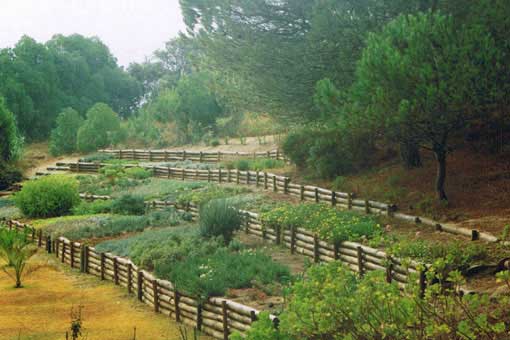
410 154
441 173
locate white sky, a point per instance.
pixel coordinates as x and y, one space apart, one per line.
132 29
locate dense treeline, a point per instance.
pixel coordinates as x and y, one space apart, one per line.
358 74
39 80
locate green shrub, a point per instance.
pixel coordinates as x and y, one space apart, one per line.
138 173
93 208
11 144
219 218
100 129
9 175
262 329
129 205
258 164
456 255
215 142
99 157
48 196
297 145
329 223
64 135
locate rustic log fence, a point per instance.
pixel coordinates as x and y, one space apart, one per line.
194 156
217 317
283 184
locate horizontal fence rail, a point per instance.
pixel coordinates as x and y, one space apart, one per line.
283 184
195 156
217 317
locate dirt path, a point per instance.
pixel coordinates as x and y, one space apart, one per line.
36 159
42 309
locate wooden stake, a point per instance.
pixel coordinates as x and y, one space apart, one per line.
139 286
225 320
103 258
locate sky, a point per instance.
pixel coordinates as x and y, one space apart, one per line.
132 29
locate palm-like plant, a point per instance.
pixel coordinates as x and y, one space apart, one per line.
15 251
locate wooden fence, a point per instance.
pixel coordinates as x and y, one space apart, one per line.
217 317
195 156
283 184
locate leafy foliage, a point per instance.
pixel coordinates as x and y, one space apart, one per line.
10 141
329 223
129 205
64 135
100 129
219 218
258 164
15 251
48 196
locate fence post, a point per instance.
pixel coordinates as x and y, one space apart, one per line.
208 175
316 255
422 283
156 295
199 316
247 176
225 319
253 316
219 175
292 239
78 166
389 270
219 156
367 207
247 222
360 260
475 235
336 249
201 156
82 259
86 265
265 180
183 155
48 244
302 192
166 156
229 179
120 153
115 271
183 174
257 181
286 185
169 172
177 297
150 155
349 201
238 174
139 286
39 241
33 234
317 195
63 251
129 277
278 231
274 184
103 257
71 250
333 198
277 154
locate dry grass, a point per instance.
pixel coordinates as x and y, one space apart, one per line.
41 310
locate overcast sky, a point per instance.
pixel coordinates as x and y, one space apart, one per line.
132 29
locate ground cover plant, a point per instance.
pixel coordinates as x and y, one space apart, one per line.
48 196
332 302
329 223
258 164
103 225
197 265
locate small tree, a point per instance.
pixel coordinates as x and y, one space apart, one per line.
101 128
15 251
64 135
417 81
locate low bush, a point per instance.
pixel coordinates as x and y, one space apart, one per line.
128 205
331 302
48 196
297 145
210 192
93 208
219 218
98 157
98 226
138 173
329 223
254 164
456 255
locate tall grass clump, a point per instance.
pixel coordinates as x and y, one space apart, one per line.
219 218
48 196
